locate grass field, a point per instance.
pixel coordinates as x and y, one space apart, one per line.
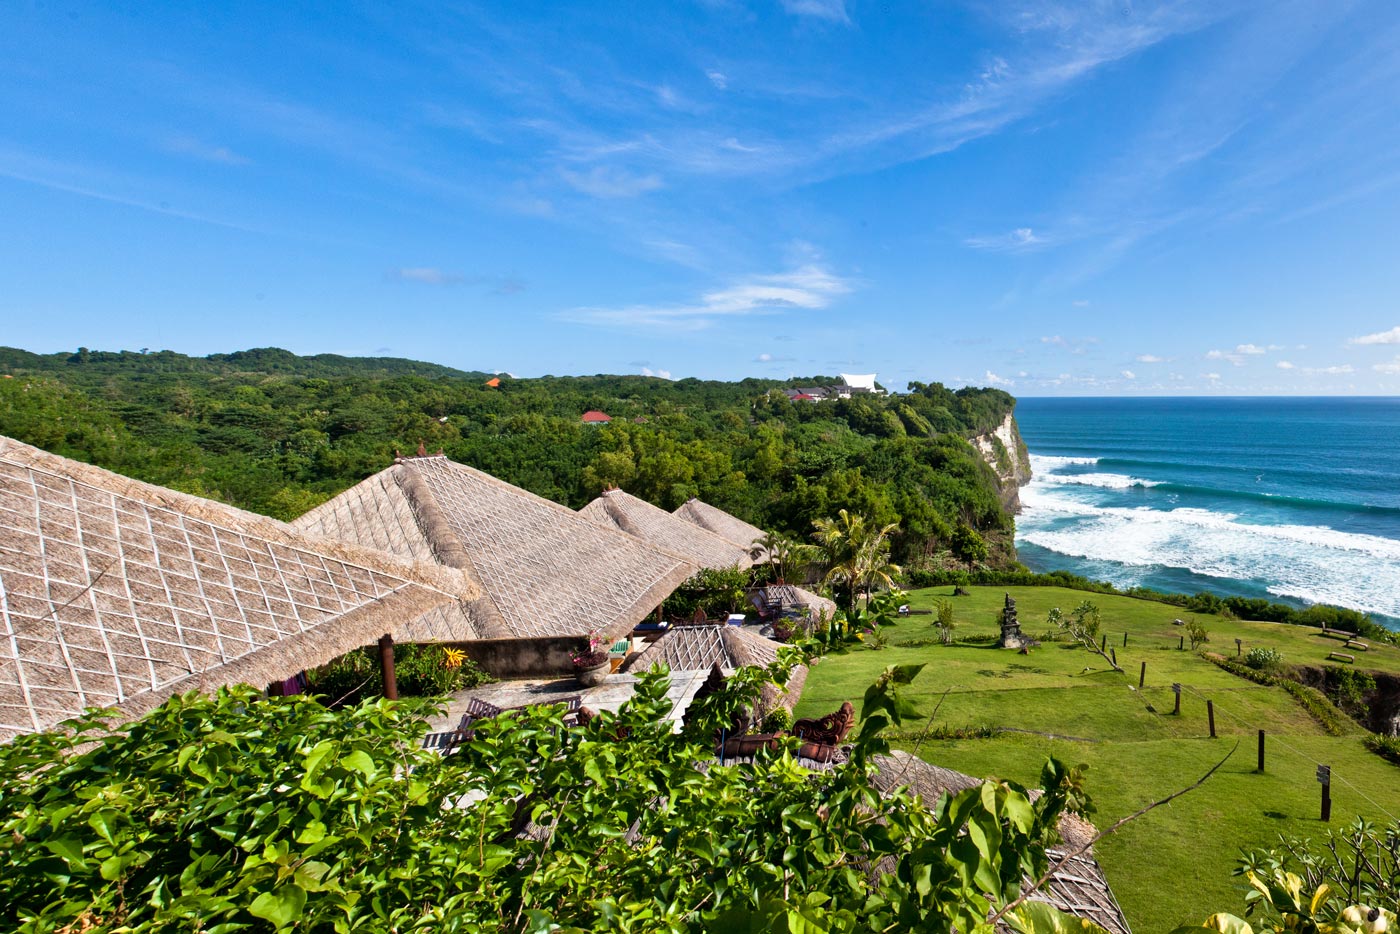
1172 866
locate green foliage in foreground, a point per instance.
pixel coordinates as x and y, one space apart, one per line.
233 813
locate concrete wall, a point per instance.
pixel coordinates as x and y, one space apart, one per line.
525 658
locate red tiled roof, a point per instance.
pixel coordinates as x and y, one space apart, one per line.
593 415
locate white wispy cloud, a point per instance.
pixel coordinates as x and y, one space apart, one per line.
831 10
1128 374
428 275
1328 370
184 145
1022 238
810 287
603 181
1150 358
1234 357
1391 368
1285 365
1384 337
995 380
659 373
1251 350
718 78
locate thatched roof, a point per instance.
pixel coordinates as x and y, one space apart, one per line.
117 593
637 517
716 520
543 570
697 648
1078 888
795 598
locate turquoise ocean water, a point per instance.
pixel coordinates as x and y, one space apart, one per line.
1296 500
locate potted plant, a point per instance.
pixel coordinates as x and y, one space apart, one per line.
591 667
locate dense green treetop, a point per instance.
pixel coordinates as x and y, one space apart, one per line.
277 433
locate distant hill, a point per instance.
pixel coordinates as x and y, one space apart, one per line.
268 360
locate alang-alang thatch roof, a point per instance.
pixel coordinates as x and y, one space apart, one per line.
728 527
543 570
638 518
116 593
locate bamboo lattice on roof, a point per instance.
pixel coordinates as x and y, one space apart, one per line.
117 593
543 570
697 648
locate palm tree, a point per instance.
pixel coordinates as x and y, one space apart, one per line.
855 555
783 553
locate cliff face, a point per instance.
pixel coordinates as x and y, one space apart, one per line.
1006 453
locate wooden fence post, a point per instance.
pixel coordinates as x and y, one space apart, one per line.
1125 640
1261 750
1210 714
1142 676
1176 689
1324 775
386 665
1114 653
1181 644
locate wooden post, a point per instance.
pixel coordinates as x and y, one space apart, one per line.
386 665
1324 775
1210 714
1261 750
1181 644
1115 657
1103 643
1125 640
1239 647
1142 676
1176 689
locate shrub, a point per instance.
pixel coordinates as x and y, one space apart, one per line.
1261 658
1332 720
945 621
419 671
1387 747
1350 688
779 720
1197 633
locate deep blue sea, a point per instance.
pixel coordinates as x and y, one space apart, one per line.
1296 500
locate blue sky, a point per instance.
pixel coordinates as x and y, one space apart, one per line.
1057 198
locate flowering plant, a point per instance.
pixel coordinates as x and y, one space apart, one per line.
596 654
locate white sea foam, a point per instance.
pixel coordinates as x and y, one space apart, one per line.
1313 563
1042 464
1109 481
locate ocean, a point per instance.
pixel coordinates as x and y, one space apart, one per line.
1295 500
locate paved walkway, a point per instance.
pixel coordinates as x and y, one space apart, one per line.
609 695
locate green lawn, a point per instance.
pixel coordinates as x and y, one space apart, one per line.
1173 865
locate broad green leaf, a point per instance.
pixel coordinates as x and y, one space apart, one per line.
281 906
1036 917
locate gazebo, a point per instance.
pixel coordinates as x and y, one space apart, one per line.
117 593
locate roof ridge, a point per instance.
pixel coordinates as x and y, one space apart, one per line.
446 546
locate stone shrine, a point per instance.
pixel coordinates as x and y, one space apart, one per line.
1011 637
